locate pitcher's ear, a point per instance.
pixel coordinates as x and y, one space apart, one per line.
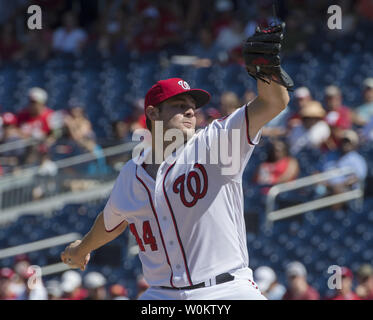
152 113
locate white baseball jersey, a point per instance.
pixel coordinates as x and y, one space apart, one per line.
189 222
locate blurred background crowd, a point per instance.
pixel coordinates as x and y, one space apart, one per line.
20 283
77 85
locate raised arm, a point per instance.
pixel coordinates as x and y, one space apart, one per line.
261 53
77 254
271 100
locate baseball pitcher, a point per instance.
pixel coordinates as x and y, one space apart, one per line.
184 210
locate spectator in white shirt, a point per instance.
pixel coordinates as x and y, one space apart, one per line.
346 156
69 38
312 132
231 37
364 113
266 280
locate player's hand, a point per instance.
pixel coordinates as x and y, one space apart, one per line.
73 257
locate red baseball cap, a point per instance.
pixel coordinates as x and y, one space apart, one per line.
21 257
165 89
346 272
6 273
9 119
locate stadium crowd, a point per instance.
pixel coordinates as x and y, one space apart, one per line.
143 26
182 27
328 127
332 129
21 283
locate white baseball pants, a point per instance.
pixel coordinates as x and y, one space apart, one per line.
241 288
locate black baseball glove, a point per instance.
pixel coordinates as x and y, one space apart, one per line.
261 53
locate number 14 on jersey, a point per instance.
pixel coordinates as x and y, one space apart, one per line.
148 237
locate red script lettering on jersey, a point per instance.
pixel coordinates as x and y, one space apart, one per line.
196 193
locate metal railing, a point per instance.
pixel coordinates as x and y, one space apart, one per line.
18 144
57 202
20 188
41 245
283 213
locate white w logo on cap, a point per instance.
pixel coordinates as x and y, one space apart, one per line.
184 85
